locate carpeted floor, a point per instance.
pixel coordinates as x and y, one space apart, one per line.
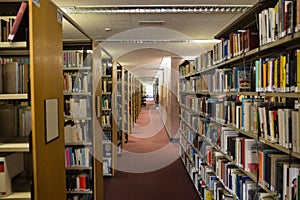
150 168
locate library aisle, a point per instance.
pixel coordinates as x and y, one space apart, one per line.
150 167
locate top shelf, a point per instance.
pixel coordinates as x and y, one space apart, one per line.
247 19
287 42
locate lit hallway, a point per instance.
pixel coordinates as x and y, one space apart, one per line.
150 167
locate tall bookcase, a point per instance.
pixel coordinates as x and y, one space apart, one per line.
119 107
32 48
125 110
239 102
81 71
108 113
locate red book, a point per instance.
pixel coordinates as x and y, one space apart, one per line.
17 21
82 182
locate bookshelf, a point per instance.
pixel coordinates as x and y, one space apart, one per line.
125 109
78 124
32 179
108 113
239 108
119 108
81 75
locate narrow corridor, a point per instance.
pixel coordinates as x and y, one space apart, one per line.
150 167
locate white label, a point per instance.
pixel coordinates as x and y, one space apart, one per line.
37 2
59 16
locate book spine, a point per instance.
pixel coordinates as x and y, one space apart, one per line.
17 21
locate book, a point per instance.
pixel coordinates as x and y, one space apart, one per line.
17 21
251 148
295 131
11 164
1 78
11 78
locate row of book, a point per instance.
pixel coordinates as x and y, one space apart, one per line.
14 77
75 58
78 183
18 116
187 67
107 149
279 74
106 102
76 82
275 170
77 157
236 79
106 85
107 166
106 120
276 74
77 107
278 21
106 135
106 67
220 179
275 122
236 44
77 131
241 149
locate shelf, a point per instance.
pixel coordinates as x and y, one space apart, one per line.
13 96
14 144
13 45
78 144
108 175
106 93
78 168
280 94
245 19
78 93
76 68
284 42
79 192
18 196
281 148
78 118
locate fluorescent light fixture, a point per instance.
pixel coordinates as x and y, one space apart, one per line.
158 41
132 9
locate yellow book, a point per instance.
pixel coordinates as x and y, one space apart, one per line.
208 195
283 73
275 74
265 72
298 70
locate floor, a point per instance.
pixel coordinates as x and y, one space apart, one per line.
150 167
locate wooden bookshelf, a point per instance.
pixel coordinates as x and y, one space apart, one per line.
85 123
108 96
48 182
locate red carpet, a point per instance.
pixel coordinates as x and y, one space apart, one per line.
150 167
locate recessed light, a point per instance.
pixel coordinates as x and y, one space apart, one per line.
107 29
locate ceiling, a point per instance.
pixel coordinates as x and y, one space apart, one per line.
140 47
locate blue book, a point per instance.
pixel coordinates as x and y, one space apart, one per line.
242 79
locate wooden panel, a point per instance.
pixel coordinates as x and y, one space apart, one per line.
46 83
98 168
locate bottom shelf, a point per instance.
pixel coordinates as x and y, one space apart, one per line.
18 196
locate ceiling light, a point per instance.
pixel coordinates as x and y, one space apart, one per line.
159 41
107 29
156 9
